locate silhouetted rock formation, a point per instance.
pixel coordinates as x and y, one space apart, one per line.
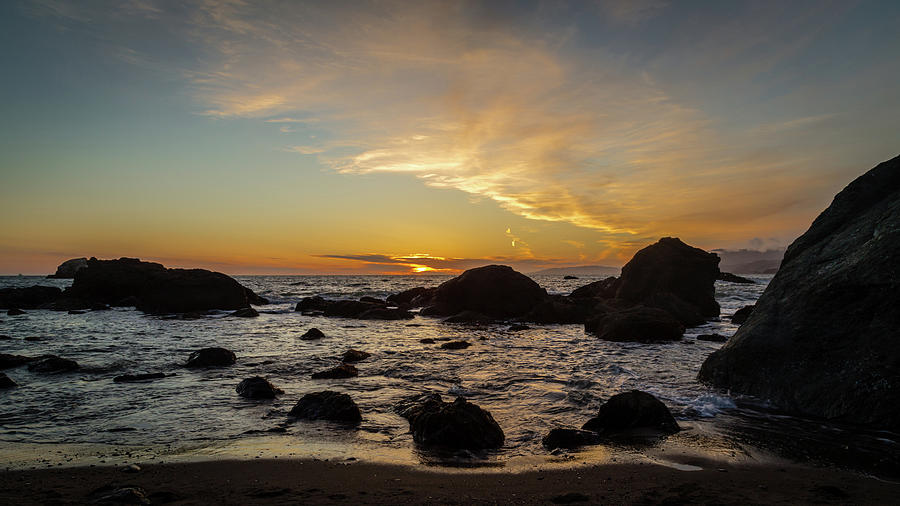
458 424
456 345
6 381
493 290
562 437
632 410
414 297
153 288
52 364
734 278
247 312
257 388
312 334
311 304
67 269
822 339
327 405
605 288
211 357
638 324
741 315
339 372
469 318
354 356
32 297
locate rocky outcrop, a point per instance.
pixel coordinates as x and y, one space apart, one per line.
67 269
638 324
315 303
367 308
458 424
327 405
354 356
155 289
312 334
52 364
632 410
741 315
339 372
414 297
456 345
211 357
32 297
496 291
257 388
822 339
469 318
734 278
563 437
605 288
247 312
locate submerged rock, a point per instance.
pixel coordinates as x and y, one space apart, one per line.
496 291
312 334
570 277
427 340
211 357
132 378
67 269
247 312
32 297
632 410
52 364
456 345
822 339
458 424
469 318
639 324
715 338
257 388
8 361
15 312
741 315
327 405
339 372
734 278
354 356
569 438
6 381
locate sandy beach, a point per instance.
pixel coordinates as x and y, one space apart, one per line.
319 482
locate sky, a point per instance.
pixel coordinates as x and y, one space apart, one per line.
257 137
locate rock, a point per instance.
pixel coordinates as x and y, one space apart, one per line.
683 311
247 312
311 304
157 289
354 356
339 372
312 334
15 312
77 311
518 327
426 341
384 313
715 338
734 278
348 308
413 406
560 309
632 410
372 300
33 338
32 297
456 345
570 277
327 405
673 268
131 468
414 297
6 381
741 315
132 378
5 338
822 339
257 388
605 288
52 364
211 357
458 425
67 269
119 495
9 361
569 438
640 324
496 291
469 318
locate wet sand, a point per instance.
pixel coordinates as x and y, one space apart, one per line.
284 481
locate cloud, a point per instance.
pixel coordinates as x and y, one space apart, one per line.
421 262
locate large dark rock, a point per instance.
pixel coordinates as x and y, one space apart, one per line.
562 437
67 269
457 425
605 288
247 312
456 345
639 324
257 388
469 318
211 357
632 410
741 315
327 405
348 308
672 268
560 309
15 312
822 339
6 381
340 372
52 364
155 289
354 356
493 290
312 334
31 297
414 297
734 278
8 361
315 303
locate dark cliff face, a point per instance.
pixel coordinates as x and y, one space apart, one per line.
824 338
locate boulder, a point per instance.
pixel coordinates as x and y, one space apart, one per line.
734 278
456 345
15 312
311 304
570 277
6 381
414 297
247 312
67 269
257 388
327 405
372 300
354 356
312 334
469 318
134 378
822 340
339 372
211 357
52 364
715 338
427 340
413 406
632 410
157 289
569 438
32 297
560 309
605 288
348 308
639 324
741 315
8 361
457 425
496 291
672 267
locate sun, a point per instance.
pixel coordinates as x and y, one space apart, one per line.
422 268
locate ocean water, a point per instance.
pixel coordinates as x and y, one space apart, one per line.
530 381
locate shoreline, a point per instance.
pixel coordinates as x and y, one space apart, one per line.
283 481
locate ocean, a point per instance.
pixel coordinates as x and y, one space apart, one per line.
531 381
